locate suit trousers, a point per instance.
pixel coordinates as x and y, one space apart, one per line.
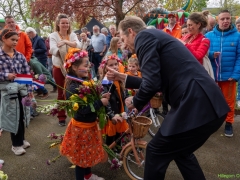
161 150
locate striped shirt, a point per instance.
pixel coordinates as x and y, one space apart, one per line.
16 64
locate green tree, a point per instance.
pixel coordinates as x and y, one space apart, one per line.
173 5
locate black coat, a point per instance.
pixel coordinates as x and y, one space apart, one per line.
168 66
114 105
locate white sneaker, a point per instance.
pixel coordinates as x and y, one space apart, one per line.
1 161
18 150
94 177
25 144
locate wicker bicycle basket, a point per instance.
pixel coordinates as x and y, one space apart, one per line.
140 126
156 102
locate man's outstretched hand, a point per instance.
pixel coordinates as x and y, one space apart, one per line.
113 75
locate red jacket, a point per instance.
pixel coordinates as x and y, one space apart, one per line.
198 46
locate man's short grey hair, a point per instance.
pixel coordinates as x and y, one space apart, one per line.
151 27
84 29
96 26
30 29
104 30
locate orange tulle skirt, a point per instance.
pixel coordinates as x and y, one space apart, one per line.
82 144
110 129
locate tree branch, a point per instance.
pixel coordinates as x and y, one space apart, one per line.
132 7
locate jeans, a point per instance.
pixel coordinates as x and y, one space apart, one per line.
97 59
52 83
42 90
43 62
50 65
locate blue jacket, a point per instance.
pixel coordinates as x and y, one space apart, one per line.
40 48
227 65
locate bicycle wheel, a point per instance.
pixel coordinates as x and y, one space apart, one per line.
131 167
152 129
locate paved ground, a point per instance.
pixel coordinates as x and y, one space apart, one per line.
219 155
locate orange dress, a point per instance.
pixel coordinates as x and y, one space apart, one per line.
82 144
132 91
110 129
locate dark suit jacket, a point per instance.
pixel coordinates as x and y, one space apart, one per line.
168 66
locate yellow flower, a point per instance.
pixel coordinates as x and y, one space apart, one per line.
73 96
75 106
85 83
85 99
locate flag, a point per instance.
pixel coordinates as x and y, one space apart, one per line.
74 78
38 84
105 81
23 79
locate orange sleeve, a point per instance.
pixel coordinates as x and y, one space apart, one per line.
28 46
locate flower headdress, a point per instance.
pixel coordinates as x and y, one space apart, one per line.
73 55
110 57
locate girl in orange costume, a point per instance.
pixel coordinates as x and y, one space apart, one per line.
116 124
82 144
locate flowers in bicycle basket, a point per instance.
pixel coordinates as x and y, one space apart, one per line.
88 93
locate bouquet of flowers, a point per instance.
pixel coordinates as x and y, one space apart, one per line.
88 93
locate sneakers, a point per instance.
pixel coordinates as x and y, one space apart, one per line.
1 161
25 144
62 123
18 150
94 177
228 129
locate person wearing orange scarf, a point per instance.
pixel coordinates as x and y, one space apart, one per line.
116 124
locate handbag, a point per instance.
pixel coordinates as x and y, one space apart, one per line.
208 66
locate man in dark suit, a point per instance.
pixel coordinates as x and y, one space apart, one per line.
198 107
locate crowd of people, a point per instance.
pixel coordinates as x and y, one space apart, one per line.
140 61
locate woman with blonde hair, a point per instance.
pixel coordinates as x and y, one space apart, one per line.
60 41
115 47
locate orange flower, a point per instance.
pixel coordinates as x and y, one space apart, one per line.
134 56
